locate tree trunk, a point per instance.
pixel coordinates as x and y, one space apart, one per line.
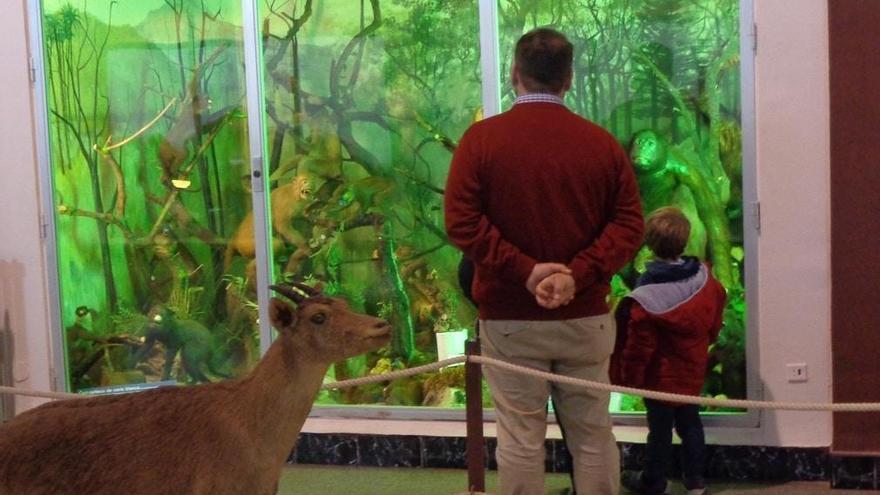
655 104
594 97
612 99
627 97
403 343
581 95
103 240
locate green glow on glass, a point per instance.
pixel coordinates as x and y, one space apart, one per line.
364 103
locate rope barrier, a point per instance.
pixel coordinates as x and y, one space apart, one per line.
686 399
41 394
394 375
605 387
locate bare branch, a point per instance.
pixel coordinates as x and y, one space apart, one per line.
108 147
107 218
295 25
117 175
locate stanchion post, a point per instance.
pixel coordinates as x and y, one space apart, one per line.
475 446
7 401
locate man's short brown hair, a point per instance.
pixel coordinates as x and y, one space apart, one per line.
544 58
666 232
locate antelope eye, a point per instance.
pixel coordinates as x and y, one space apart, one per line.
318 318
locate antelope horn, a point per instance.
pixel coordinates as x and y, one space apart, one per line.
288 292
310 291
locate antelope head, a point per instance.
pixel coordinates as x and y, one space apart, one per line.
325 328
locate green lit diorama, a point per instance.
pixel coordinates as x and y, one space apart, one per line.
364 103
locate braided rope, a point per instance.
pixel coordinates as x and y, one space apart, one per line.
685 399
605 387
394 375
38 393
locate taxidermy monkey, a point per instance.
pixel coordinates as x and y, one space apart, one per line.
288 203
85 349
80 341
188 337
193 116
172 149
81 328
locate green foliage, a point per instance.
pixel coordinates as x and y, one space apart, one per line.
631 403
430 43
184 301
60 25
386 310
126 321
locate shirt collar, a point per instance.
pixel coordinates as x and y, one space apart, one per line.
539 98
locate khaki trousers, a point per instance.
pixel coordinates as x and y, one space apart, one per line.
578 348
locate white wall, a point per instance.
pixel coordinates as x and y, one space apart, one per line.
22 287
793 154
794 247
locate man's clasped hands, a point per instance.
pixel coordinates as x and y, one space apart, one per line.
552 284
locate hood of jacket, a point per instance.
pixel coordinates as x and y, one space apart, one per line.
659 298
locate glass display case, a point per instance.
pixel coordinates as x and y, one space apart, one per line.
148 147
160 225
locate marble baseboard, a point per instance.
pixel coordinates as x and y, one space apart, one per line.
855 473
723 462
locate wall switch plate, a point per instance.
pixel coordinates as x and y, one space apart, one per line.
796 372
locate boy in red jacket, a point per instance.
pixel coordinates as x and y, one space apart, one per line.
666 326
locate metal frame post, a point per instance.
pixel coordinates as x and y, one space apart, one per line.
48 229
259 176
489 57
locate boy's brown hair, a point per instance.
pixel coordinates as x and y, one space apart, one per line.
666 232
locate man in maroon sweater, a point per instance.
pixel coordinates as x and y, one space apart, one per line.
546 205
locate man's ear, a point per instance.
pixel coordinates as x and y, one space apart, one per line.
567 86
282 315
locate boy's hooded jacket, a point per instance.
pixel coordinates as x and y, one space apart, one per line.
665 326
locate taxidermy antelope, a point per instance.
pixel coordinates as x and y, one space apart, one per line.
215 439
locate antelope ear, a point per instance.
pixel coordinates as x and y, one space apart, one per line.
282 315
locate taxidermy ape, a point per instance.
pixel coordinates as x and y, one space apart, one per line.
666 177
188 337
288 203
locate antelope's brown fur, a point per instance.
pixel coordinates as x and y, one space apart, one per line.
218 439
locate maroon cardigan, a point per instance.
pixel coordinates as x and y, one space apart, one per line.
541 184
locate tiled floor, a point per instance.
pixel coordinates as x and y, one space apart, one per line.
339 480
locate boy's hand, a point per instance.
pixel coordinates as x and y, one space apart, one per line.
541 271
555 290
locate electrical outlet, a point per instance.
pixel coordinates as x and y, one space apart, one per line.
797 372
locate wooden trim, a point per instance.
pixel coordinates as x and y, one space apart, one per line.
855 219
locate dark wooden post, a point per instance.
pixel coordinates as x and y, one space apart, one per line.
855 260
475 445
7 401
